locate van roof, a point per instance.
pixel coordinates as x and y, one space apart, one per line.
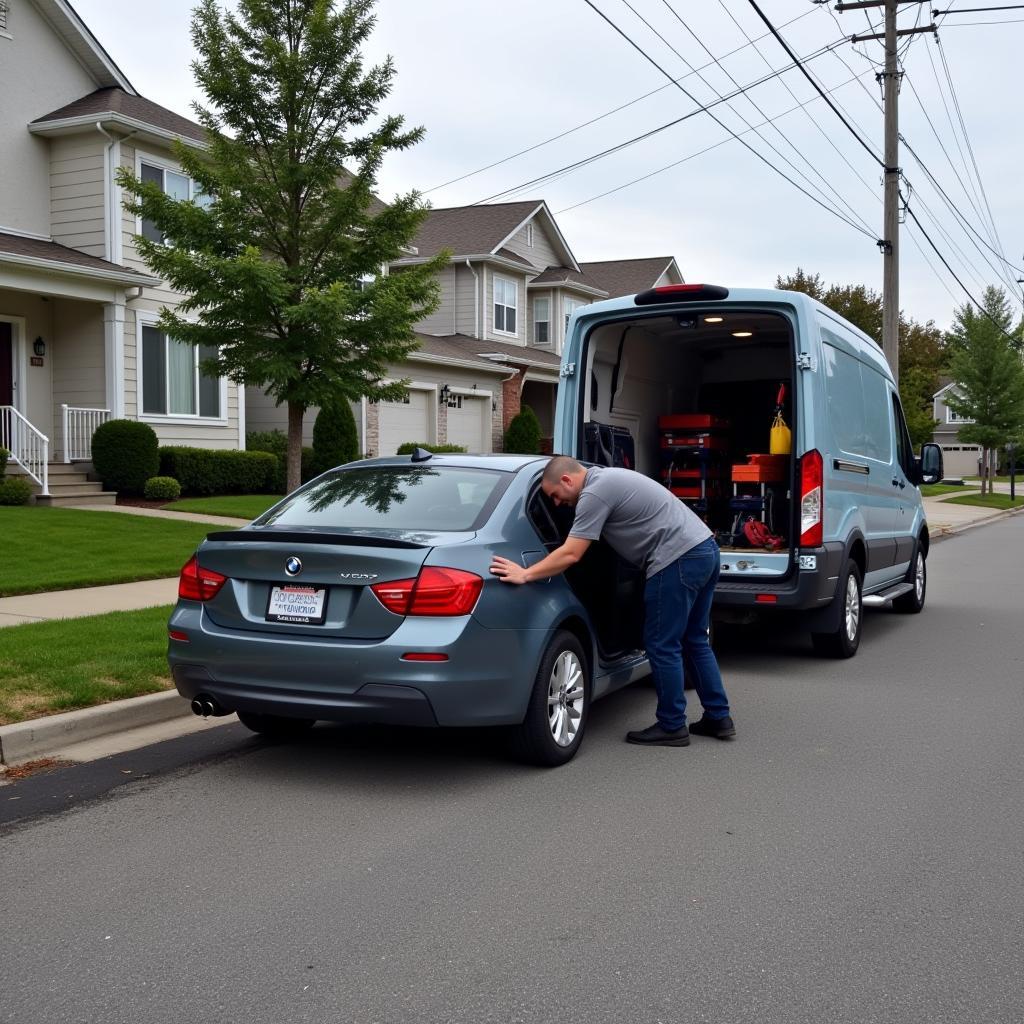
748 297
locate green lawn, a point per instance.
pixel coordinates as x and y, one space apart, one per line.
987 501
934 490
240 506
63 548
48 667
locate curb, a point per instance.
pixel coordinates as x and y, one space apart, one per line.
25 741
952 531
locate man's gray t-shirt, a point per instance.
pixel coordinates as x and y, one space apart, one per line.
644 522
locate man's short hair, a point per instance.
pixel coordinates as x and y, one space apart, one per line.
559 466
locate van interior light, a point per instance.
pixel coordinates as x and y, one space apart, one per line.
713 319
742 334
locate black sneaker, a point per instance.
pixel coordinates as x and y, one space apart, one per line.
654 735
717 728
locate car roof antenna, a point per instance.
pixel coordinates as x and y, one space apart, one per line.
421 455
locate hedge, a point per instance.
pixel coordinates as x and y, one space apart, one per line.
335 437
204 471
162 488
15 491
275 442
125 454
523 434
437 449
4 456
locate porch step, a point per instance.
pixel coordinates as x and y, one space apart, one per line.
72 497
55 469
69 486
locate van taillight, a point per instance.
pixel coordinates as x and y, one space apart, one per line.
198 584
436 591
812 500
682 293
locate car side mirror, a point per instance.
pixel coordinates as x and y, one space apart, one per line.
930 464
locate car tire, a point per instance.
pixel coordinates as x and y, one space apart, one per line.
556 716
276 727
913 602
844 641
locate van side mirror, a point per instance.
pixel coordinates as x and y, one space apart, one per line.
930 464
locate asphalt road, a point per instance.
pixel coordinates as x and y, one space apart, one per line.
855 856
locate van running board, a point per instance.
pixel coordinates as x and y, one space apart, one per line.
878 600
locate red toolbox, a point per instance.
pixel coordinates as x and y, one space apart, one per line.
758 474
692 421
682 439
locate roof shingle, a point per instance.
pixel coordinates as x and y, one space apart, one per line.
37 248
470 230
626 277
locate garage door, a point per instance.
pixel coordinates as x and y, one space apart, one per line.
403 421
468 419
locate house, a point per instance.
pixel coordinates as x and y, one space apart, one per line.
959 459
495 341
78 341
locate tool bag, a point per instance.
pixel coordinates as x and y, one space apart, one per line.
780 440
759 536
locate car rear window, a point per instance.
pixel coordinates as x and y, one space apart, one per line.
435 498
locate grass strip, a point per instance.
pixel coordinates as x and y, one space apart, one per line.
66 548
934 490
238 506
66 664
1000 501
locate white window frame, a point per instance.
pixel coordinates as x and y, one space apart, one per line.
145 319
542 320
529 234
164 164
952 417
569 306
514 285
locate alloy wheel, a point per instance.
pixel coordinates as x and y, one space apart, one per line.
852 611
565 698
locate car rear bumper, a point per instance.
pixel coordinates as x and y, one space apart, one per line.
485 681
802 590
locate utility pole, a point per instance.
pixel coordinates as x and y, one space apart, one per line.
889 243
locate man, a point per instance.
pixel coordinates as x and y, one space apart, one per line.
647 526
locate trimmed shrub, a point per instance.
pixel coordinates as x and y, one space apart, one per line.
125 454
204 471
335 437
4 456
438 449
15 491
162 488
523 434
276 442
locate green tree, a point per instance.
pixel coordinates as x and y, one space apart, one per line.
274 256
523 434
989 376
335 437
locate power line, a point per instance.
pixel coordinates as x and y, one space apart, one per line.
978 10
701 108
967 24
600 117
685 159
720 123
775 32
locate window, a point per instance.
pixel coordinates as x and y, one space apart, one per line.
570 306
529 234
172 383
505 304
859 408
904 448
952 417
542 321
172 183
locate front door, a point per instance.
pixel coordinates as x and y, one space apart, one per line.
6 364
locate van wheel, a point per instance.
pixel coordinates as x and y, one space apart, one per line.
843 643
552 730
277 727
912 602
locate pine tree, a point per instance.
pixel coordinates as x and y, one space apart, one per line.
989 377
275 256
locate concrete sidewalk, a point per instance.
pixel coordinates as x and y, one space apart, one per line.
161 513
946 519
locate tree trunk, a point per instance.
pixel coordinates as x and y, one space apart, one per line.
294 476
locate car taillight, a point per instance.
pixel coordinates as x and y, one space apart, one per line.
436 591
812 500
198 584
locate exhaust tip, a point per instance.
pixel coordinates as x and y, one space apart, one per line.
199 708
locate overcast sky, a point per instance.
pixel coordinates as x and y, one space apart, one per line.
487 80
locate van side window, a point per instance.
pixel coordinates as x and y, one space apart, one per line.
904 447
858 406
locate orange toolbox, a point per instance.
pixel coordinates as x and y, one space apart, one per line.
683 439
761 469
692 421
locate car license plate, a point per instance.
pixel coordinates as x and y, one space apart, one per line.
302 605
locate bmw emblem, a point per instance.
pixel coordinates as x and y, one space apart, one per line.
293 566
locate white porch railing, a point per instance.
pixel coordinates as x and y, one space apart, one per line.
79 425
29 448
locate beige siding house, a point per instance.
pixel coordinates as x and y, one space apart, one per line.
78 343
959 459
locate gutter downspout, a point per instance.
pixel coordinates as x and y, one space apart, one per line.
476 304
108 187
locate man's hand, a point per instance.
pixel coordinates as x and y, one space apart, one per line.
508 571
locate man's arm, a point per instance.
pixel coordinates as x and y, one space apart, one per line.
551 565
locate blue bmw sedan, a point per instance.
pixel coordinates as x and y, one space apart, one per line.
365 596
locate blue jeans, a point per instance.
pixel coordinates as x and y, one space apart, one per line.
677 601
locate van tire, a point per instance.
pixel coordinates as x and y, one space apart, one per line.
913 602
563 664
845 639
